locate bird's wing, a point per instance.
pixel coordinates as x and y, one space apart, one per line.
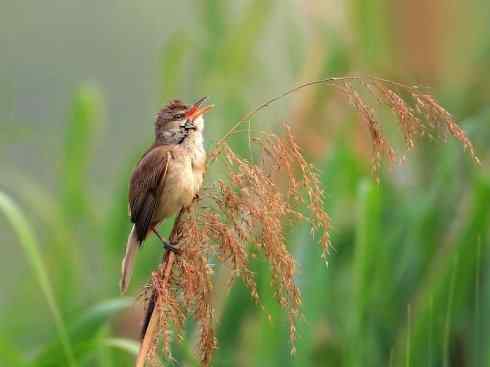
145 187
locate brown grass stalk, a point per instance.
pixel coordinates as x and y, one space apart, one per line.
152 322
152 328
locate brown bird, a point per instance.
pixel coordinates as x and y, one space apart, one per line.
167 177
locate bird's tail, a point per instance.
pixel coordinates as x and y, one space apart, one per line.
128 261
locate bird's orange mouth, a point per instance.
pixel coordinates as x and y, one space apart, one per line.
196 110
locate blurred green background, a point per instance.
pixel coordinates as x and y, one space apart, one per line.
407 281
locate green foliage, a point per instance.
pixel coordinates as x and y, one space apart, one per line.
85 119
31 249
407 281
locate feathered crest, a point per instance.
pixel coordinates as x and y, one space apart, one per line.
167 113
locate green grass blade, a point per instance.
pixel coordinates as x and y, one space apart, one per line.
373 37
99 313
449 310
445 289
85 332
368 246
172 61
85 119
270 327
62 255
312 272
127 345
10 355
31 249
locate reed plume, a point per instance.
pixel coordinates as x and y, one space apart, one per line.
250 210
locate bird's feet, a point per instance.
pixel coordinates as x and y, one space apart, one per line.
169 246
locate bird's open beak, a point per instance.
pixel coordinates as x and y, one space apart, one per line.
196 110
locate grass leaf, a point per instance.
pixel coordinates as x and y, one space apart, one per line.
86 117
31 249
128 345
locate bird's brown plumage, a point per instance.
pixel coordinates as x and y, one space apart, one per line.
146 186
166 179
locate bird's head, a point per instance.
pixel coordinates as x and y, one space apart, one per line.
176 119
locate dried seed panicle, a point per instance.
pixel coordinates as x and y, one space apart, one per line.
250 211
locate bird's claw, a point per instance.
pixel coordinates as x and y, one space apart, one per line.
172 247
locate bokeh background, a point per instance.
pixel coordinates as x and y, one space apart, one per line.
407 281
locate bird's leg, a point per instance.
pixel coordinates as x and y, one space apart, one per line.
166 244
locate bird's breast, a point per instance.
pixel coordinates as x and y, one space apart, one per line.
182 182
198 168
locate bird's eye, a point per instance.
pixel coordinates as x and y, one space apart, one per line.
179 116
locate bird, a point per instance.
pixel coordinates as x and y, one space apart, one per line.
167 177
